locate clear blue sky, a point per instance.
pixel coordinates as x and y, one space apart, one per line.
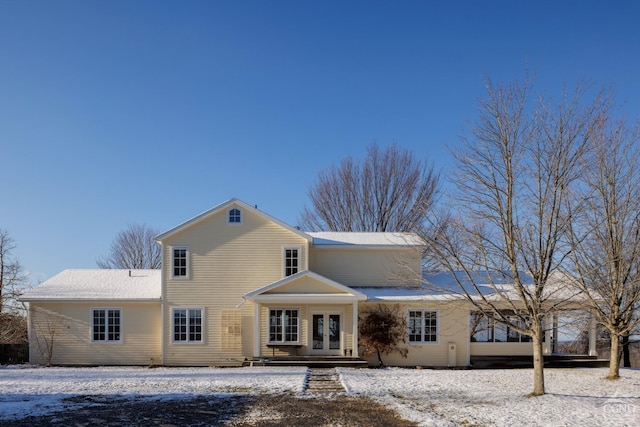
120 112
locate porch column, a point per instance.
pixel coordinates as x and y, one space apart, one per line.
256 329
355 328
554 340
592 335
546 346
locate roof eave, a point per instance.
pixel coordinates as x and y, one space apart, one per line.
216 209
95 299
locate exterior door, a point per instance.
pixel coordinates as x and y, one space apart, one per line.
326 330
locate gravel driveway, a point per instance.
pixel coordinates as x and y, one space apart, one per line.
262 410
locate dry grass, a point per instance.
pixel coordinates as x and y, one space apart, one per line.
239 411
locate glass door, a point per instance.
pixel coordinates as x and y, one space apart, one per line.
326 333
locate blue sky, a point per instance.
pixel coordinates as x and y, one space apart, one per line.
121 112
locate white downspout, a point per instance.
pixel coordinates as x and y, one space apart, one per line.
256 329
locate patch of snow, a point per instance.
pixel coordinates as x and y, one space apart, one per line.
499 397
430 397
332 238
40 391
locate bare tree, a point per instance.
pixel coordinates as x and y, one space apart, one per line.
133 248
13 279
45 325
14 328
510 226
390 191
382 331
607 260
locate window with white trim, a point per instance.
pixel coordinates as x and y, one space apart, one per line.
187 325
423 326
234 216
180 262
291 261
106 324
284 325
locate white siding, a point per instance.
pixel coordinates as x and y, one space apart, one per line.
368 267
70 326
452 328
226 261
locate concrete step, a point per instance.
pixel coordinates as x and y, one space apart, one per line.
323 381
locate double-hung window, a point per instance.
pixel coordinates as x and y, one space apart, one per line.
106 324
291 261
423 326
284 325
187 325
180 262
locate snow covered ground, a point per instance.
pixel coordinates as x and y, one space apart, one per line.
575 397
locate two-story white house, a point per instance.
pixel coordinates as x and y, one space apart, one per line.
238 285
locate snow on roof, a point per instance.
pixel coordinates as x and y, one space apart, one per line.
444 286
402 294
105 284
331 238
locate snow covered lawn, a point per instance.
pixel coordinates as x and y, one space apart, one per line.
575 397
580 397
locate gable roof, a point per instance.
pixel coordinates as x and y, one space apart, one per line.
98 284
221 207
370 239
341 292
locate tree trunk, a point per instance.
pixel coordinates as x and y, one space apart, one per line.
381 363
538 363
614 358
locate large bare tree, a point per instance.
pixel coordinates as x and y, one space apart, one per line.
509 226
607 260
390 191
13 280
133 248
12 276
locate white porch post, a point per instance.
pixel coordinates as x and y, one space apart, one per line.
592 335
256 329
355 329
546 349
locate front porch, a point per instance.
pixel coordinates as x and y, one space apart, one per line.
309 361
305 318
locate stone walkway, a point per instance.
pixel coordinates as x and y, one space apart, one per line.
323 381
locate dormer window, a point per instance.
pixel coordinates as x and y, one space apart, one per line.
235 216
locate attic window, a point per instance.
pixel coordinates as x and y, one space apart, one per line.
235 216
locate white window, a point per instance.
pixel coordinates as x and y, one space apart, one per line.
106 324
235 216
180 261
284 325
187 325
423 326
291 261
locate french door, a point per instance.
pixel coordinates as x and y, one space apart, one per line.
326 333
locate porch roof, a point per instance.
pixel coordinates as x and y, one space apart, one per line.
295 288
